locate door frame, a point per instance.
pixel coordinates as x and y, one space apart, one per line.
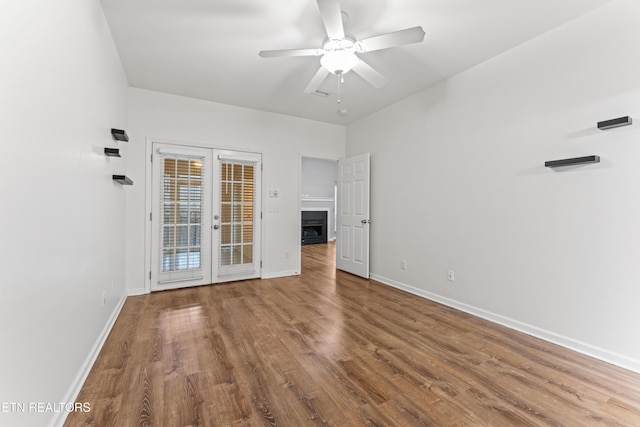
149 190
299 198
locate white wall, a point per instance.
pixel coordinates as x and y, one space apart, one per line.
62 216
279 138
459 184
319 177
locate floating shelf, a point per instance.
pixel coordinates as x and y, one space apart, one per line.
119 135
615 123
112 152
573 161
122 179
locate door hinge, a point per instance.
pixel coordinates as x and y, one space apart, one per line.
260 215
150 216
260 263
151 158
149 274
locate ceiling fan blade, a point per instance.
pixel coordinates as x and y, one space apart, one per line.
317 80
290 52
369 74
332 18
396 38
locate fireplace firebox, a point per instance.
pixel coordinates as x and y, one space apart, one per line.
314 227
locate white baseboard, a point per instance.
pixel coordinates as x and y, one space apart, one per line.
142 291
570 343
60 417
277 274
136 291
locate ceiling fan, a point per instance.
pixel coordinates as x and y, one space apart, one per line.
338 52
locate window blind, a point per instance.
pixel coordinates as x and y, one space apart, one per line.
181 207
237 214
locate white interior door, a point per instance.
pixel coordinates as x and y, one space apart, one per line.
205 217
181 197
352 251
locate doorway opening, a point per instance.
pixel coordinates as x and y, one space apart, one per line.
318 191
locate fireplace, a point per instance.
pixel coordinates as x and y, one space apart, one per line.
314 227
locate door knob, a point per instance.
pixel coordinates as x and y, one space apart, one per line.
366 221
215 227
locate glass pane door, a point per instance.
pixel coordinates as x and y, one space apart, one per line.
182 227
238 221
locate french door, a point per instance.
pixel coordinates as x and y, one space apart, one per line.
236 220
205 216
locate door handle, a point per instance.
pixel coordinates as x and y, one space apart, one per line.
366 221
215 227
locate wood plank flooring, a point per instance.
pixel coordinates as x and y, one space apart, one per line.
328 348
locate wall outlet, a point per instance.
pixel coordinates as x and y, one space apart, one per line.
403 264
451 276
286 254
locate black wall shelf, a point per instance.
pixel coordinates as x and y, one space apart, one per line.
112 152
615 123
122 179
119 135
572 161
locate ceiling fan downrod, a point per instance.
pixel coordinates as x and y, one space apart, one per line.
340 81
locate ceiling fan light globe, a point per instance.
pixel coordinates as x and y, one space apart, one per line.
339 61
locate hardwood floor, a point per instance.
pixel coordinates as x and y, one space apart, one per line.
328 348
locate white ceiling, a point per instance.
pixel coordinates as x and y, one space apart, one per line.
208 49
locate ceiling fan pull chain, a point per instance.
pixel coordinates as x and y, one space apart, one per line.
340 81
